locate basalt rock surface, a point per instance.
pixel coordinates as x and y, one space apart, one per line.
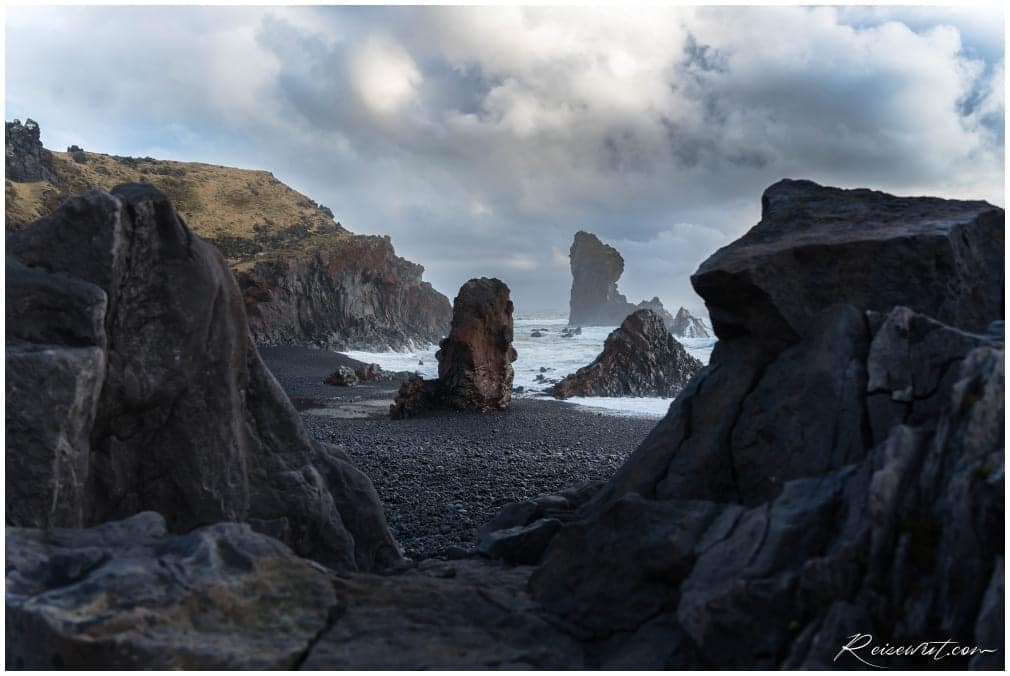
474 360
595 300
130 594
639 359
133 385
817 246
353 293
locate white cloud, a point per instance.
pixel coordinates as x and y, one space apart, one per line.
384 76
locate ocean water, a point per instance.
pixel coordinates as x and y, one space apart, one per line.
552 356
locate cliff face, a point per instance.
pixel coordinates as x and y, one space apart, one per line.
350 292
595 300
306 280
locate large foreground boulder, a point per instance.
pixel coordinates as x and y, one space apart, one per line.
837 469
129 594
639 359
474 360
818 246
133 385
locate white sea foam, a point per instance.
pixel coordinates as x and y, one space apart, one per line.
558 356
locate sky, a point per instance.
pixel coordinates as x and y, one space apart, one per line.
481 139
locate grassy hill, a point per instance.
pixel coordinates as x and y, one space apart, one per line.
249 215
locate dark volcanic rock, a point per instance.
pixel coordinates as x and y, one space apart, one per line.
344 376
818 246
639 359
25 160
656 306
596 267
416 396
686 325
355 294
474 360
128 594
837 468
463 614
595 300
133 385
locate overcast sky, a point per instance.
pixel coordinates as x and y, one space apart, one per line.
482 139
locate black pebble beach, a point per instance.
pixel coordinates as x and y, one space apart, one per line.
444 476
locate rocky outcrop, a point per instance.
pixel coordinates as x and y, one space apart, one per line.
305 279
133 385
818 246
686 325
656 306
474 360
639 359
836 469
129 594
351 293
344 376
25 160
595 300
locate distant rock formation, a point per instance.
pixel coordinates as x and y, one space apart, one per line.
474 360
305 279
595 300
25 160
351 293
133 385
596 267
639 359
686 325
656 306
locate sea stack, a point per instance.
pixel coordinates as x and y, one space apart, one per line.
596 267
639 359
474 360
595 300
686 325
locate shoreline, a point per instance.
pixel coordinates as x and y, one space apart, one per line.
441 477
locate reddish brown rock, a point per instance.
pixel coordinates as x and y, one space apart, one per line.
639 359
351 292
474 360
